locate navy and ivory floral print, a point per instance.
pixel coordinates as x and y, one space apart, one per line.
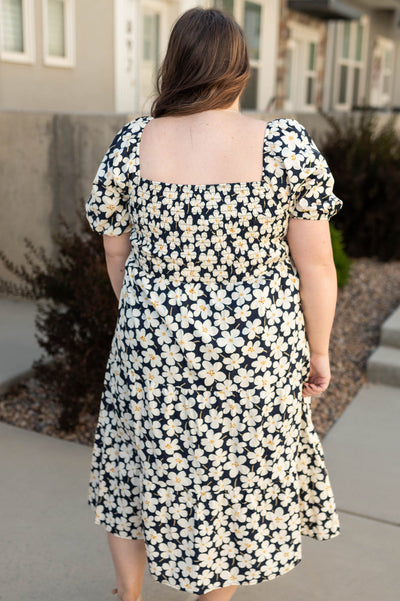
205 447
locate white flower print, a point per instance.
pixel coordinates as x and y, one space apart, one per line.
204 445
224 319
219 299
205 329
230 340
233 361
261 301
211 372
212 198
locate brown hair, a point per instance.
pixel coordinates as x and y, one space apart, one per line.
206 65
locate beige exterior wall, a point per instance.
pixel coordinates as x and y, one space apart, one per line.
88 86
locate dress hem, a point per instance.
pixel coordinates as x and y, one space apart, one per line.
292 565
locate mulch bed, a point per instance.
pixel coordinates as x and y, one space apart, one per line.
371 294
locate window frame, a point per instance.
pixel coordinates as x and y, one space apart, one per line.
310 74
351 63
69 60
259 63
154 7
28 34
384 97
300 38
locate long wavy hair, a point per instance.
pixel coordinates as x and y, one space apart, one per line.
206 65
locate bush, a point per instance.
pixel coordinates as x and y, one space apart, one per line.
75 321
342 261
365 162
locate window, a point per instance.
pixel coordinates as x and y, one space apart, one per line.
225 5
350 65
249 16
59 33
382 72
17 31
152 17
311 74
252 29
301 68
289 72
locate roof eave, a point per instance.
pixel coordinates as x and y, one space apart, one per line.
326 9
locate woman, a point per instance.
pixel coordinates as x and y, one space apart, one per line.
216 235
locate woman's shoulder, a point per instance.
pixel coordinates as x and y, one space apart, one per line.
284 125
129 134
286 130
135 126
286 134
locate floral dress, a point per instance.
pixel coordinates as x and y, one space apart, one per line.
205 447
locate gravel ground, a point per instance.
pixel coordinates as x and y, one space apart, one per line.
371 294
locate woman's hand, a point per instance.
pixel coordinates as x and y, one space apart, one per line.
318 377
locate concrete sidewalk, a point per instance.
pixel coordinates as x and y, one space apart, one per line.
52 550
18 346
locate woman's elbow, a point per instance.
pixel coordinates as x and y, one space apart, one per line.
321 268
117 246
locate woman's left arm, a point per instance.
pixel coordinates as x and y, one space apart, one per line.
117 249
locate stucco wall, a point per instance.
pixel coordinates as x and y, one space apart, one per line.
89 86
47 164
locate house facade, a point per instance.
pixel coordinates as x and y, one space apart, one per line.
101 56
365 55
339 56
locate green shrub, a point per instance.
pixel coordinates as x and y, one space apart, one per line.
75 320
365 162
342 261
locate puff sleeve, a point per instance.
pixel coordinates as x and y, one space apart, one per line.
309 177
107 208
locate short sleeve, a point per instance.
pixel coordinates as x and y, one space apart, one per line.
107 208
309 177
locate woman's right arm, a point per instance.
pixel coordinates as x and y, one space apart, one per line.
311 250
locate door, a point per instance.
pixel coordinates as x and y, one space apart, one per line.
126 14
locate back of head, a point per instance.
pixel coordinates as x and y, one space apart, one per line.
206 65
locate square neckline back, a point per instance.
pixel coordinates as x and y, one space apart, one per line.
141 179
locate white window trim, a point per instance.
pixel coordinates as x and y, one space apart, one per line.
304 34
161 8
313 75
386 44
28 19
57 61
351 63
265 64
255 63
